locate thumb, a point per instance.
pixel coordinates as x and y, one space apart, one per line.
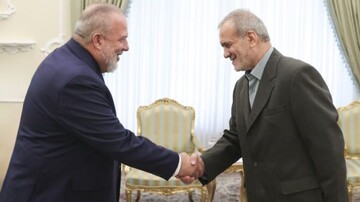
193 159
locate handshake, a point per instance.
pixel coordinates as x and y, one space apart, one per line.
192 167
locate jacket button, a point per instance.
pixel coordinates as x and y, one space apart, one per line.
255 164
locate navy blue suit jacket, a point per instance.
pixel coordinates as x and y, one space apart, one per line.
70 142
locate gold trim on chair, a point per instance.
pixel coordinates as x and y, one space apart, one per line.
170 124
349 122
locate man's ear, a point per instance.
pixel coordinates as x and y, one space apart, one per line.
97 40
252 37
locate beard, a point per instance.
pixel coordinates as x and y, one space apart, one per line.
110 59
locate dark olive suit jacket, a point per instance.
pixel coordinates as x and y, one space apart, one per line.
70 142
291 145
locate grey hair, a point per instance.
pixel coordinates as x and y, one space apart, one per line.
95 19
244 20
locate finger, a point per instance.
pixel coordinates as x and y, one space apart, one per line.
187 179
200 167
193 159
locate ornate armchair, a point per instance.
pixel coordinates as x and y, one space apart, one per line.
349 122
170 124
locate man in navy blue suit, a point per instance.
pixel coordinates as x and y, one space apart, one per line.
70 143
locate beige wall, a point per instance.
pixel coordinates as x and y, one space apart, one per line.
9 119
28 31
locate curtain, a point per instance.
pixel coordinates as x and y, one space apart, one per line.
78 6
123 4
346 17
175 52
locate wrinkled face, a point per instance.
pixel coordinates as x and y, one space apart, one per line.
236 48
110 57
115 43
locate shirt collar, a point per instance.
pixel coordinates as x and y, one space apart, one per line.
84 56
259 68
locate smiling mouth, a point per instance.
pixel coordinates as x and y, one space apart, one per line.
118 56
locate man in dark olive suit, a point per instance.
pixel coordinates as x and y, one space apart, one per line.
70 142
283 122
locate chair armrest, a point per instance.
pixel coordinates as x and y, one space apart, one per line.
197 144
353 156
349 155
125 168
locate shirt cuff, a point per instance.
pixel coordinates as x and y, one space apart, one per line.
178 167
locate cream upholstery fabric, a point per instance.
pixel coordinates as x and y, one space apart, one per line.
349 122
137 177
353 170
170 124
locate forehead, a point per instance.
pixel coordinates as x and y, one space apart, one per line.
118 25
227 32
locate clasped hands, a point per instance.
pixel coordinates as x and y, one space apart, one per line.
192 167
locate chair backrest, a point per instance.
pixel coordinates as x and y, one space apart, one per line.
349 122
167 123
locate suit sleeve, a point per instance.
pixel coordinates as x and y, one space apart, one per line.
85 109
316 120
226 150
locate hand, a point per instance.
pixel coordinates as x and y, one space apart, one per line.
188 165
191 168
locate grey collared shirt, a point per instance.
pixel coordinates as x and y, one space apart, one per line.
255 75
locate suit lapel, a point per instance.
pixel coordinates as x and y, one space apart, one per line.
242 101
265 89
245 101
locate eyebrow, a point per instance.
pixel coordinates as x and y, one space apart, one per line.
225 43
